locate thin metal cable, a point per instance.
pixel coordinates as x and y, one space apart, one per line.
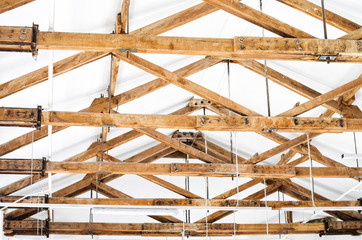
266 211
187 188
237 180
356 152
229 95
32 160
324 20
265 70
310 171
207 211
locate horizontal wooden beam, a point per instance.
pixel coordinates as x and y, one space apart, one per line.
192 203
305 49
20 117
204 123
187 169
176 229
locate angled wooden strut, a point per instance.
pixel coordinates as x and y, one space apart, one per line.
102 104
7 5
80 59
316 11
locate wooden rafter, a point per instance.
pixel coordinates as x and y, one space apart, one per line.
6 5
316 11
261 19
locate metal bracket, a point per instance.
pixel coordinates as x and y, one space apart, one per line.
38 120
127 50
44 165
34 40
327 58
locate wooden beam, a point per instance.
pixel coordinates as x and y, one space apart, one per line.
6 5
357 34
75 61
41 75
315 102
177 19
92 151
117 198
201 169
100 104
292 85
114 74
170 186
255 196
203 122
112 192
316 11
261 19
301 193
175 229
279 149
302 49
124 16
174 143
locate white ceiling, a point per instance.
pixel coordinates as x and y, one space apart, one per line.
75 90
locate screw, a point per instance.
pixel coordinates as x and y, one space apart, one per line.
241 39
297 41
242 47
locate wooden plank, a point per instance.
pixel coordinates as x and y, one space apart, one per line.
114 74
117 198
255 196
124 16
41 75
174 143
202 169
290 83
278 149
316 11
6 5
204 122
15 38
315 102
218 151
100 104
303 49
261 19
167 229
22 117
170 186
356 35
75 61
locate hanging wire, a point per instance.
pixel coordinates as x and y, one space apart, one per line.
310 171
187 188
266 212
183 227
237 181
207 211
324 20
266 70
356 152
229 95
